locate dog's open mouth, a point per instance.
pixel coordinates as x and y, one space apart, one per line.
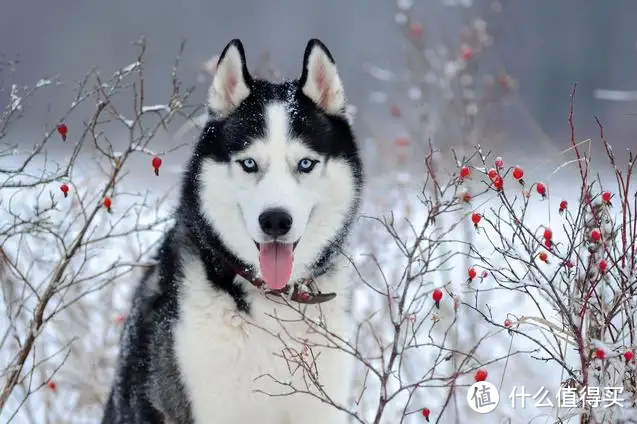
275 262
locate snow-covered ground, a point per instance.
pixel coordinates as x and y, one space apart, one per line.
81 340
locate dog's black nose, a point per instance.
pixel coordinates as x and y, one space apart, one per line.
275 222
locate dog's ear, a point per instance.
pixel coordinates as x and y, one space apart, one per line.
320 80
231 82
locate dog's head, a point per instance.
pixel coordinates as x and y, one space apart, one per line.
279 178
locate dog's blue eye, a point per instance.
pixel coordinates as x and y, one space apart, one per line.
306 165
249 165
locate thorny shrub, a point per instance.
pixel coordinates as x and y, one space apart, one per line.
73 229
576 261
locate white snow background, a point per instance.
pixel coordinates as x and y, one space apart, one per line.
81 341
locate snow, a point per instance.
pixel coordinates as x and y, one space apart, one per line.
42 83
91 326
127 69
16 100
155 108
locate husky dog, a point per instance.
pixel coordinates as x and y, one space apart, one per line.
230 325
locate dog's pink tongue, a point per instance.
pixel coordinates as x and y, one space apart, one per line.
275 260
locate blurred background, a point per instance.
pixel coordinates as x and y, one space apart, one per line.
543 45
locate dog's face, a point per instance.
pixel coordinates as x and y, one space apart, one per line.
280 175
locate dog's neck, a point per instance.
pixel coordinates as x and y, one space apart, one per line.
222 265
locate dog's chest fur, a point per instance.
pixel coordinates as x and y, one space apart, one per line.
229 360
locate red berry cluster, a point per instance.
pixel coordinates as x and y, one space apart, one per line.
548 238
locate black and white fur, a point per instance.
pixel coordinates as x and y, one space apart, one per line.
198 336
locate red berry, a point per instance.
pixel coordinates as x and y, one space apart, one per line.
628 355
498 183
606 197
395 111
481 375
156 162
63 130
602 266
425 413
600 354
475 218
541 189
499 163
466 53
416 29
518 173
64 188
471 272
492 173
466 197
485 274
544 257
563 206
108 203
508 323
52 386
464 172
548 234
437 295
548 243
402 141
596 235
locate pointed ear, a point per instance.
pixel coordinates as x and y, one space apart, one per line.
232 81
320 80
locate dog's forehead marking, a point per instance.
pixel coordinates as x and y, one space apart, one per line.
277 125
278 145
